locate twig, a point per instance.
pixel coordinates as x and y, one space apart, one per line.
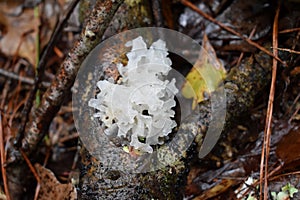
157 13
257 182
54 96
242 54
294 114
15 110
3 159
41 116
58 52
267 136
68 138
20 78
16 76
48 153
285 174
230 30
40 70
32 169
37 190
291 107
75 159
289 30
4 94
288 50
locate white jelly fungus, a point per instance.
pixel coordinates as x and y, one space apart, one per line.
139 108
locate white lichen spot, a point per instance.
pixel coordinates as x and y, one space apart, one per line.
138 108
89 33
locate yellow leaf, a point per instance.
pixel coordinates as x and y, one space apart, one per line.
205 76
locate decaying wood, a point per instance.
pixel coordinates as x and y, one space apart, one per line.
97 182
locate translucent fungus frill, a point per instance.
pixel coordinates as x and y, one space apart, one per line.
139 108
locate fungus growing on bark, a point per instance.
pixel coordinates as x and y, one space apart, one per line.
138 108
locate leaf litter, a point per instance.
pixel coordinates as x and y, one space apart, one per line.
21 30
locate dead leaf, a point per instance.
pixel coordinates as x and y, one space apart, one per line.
21 31
205 76
191 188
218 189
51 188
288 148
20 36
295 71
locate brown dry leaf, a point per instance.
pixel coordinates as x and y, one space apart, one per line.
51 188
295 71
20 34
219 188
191 188
20 29
288 148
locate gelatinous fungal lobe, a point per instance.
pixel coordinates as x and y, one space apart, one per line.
138 109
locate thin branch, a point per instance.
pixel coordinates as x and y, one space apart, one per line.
294 114
242 54
52 99
285 174
4 94
292 106
157 13
288 50
32 169
16 76
289 30
230 30
3 160
42 115
267 135
40 70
